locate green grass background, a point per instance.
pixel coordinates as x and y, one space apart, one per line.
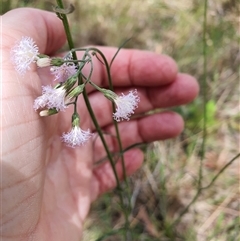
167 181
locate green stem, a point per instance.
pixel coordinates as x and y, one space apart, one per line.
75 61
113 107
204 137
220 172
98 128
125 210
64 19
199 183
71 46
199 191
87 102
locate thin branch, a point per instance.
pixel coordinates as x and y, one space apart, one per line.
199 191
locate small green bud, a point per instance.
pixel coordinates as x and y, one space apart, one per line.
70 82
76 91
109 94
75 120
57 62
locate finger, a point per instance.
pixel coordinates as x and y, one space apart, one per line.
182 91
154 127
134 67
159 126
44 27
104 179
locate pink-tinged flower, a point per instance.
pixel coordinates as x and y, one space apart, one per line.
76 137
126 104
52 98
63 72
23 54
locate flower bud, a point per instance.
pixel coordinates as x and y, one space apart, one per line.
109 94
76 91
43 62
70 83
75 120
57 62
48 112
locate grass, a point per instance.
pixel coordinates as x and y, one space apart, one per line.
167 181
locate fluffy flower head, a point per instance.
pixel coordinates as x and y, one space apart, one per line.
126 104
52 98
23 54
63 72
76 137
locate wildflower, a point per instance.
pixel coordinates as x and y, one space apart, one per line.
126 104
52 98
63 72
76 137
23 54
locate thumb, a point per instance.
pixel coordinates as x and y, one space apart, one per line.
45 28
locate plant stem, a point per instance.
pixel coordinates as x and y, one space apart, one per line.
126 209
222 170
204 85
199 191
98 128
115 123
204 136
66 28
71 46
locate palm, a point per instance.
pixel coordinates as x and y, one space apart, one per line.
68 189
70 185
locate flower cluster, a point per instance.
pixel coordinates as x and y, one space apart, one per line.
67 73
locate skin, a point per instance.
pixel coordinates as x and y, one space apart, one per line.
46 187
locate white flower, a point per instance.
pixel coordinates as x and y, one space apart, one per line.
76 137
23 54
63 72
126 104
51 98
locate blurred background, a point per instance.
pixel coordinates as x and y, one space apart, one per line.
167 181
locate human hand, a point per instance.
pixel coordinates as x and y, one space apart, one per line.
47 187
